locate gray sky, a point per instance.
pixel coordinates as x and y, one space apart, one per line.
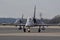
15 8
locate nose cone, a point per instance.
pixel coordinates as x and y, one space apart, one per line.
29 22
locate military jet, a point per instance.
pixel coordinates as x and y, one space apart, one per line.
31 22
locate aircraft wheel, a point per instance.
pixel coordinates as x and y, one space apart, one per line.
28 30
16 25
24 30
39 30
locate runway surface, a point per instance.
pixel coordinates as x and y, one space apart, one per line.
29 38
12 33
10 29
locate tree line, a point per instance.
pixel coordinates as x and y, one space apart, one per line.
54 20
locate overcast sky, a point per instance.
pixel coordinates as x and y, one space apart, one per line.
15 8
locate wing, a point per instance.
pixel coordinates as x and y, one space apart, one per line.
46 24
5 24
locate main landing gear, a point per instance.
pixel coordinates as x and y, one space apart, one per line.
24 29
20 28
39 30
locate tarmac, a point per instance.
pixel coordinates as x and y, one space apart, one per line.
29 38
29 34
12 33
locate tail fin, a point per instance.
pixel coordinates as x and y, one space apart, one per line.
42 22
34 14
18 21
34 11
41 19
22 16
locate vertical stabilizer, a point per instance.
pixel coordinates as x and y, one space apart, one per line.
34 11
18 21
34 14
41 19
41 16
22 16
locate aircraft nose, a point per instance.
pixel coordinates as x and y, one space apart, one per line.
29 22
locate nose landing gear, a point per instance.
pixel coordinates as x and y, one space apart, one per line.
28 29
24 29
